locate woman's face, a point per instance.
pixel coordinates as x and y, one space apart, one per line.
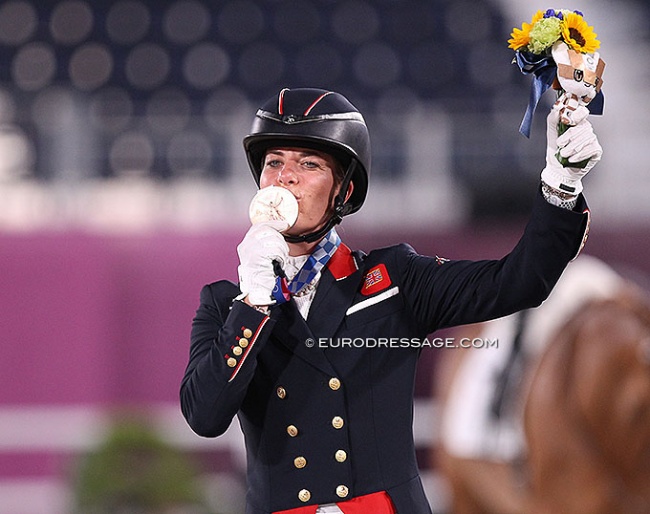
309 175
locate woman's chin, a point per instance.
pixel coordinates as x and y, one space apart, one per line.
301 230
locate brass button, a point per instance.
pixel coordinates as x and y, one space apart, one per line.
232 362
243 342
282 393
292 430
334 384
337 422
304 495
248 333
300 462
237 350
342 491
340 456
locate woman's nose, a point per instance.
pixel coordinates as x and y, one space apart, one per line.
287 174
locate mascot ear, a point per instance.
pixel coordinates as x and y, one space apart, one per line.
579 74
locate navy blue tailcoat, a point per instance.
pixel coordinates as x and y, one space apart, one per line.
323 420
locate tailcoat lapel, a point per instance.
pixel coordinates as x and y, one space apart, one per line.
336 289
293 332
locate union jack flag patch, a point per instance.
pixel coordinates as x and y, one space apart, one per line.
376 279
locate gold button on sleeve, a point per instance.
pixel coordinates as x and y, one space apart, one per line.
342 491
281 392
304 495
232 362
341 456
334 384
292 430
237 350
337 422
300 462
243 342
248 333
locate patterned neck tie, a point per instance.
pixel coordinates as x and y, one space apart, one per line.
314 264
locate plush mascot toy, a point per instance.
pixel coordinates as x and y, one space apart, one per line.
559 49
579 76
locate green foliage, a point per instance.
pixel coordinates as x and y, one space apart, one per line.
135 471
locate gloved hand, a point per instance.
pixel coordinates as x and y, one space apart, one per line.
262 244
578 144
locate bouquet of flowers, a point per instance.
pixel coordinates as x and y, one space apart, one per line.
559 49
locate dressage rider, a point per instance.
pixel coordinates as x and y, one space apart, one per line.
328 428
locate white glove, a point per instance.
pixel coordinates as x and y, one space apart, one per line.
262 244
577 144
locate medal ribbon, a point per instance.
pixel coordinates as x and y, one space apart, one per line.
314 264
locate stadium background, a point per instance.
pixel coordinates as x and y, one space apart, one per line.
124 188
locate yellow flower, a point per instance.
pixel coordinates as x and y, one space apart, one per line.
578 35
521 37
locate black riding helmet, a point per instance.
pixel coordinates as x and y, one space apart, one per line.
320 120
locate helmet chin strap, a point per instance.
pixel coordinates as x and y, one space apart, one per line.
340 210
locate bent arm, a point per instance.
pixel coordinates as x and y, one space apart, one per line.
225 340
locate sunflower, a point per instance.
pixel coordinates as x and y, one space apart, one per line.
521 37
578 35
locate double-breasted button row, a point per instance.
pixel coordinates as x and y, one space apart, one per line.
334 383
342 491
339 455
304 495
292 430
